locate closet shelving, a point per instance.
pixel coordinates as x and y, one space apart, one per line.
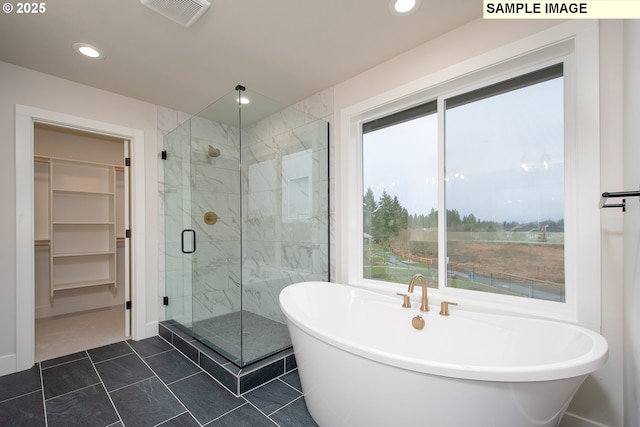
82 231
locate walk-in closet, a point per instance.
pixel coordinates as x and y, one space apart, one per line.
81 252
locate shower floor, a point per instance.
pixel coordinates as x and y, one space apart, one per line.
260 336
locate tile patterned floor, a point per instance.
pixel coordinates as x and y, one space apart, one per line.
138 384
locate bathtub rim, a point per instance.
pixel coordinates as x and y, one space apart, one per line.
575 367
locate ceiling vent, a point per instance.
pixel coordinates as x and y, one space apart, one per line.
184 12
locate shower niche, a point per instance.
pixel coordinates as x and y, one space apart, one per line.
246 201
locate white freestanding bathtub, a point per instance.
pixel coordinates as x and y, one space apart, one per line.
362 363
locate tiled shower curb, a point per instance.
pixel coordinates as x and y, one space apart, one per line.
235 379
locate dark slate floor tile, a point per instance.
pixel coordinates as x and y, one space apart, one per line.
272 396
123 371
146 403
109 351
260 376
294 415
179 330
85 407
75 396
165 333
293 379
185 347
68 377
63 359
20 383
219 372
244 416
26 410
290 363
204 397
214 355
150 346
172 366
184 420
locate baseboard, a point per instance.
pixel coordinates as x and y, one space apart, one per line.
571 420
7 364
151 330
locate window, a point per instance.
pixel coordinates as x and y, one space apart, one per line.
504 187
400 219
502 180
474 83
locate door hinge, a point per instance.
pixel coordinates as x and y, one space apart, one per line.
165 301
164 154
127 234
127 161
127 305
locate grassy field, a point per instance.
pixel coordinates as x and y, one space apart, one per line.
540 265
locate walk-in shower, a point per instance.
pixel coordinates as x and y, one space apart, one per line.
246 200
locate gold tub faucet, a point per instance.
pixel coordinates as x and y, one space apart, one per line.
424 306
444 307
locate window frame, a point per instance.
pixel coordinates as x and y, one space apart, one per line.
576 45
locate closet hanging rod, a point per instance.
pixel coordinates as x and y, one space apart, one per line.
623 205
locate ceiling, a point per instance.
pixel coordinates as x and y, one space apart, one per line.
284 49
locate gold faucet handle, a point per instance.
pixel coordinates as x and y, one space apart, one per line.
444 307
406 302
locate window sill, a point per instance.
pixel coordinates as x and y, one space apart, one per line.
483 302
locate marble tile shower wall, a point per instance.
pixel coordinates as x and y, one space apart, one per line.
286 217
273 255
215 187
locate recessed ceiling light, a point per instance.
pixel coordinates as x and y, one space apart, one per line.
88 50
403 7
243 100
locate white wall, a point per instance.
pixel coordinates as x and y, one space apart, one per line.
631 306
22 86
600 398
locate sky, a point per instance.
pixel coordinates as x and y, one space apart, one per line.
503 158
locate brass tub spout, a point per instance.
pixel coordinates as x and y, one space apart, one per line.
424 306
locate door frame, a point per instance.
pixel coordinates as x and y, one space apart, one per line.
25 257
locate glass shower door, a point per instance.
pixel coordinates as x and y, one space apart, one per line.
177 214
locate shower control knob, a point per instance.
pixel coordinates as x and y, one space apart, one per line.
210 218
418 322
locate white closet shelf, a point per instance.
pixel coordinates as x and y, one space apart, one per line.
83 223
82 192
84 284
82 254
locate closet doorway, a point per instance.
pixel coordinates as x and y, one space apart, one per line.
82 254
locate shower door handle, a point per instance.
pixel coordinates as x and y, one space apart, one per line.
193 239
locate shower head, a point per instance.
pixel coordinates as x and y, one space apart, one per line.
213 152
